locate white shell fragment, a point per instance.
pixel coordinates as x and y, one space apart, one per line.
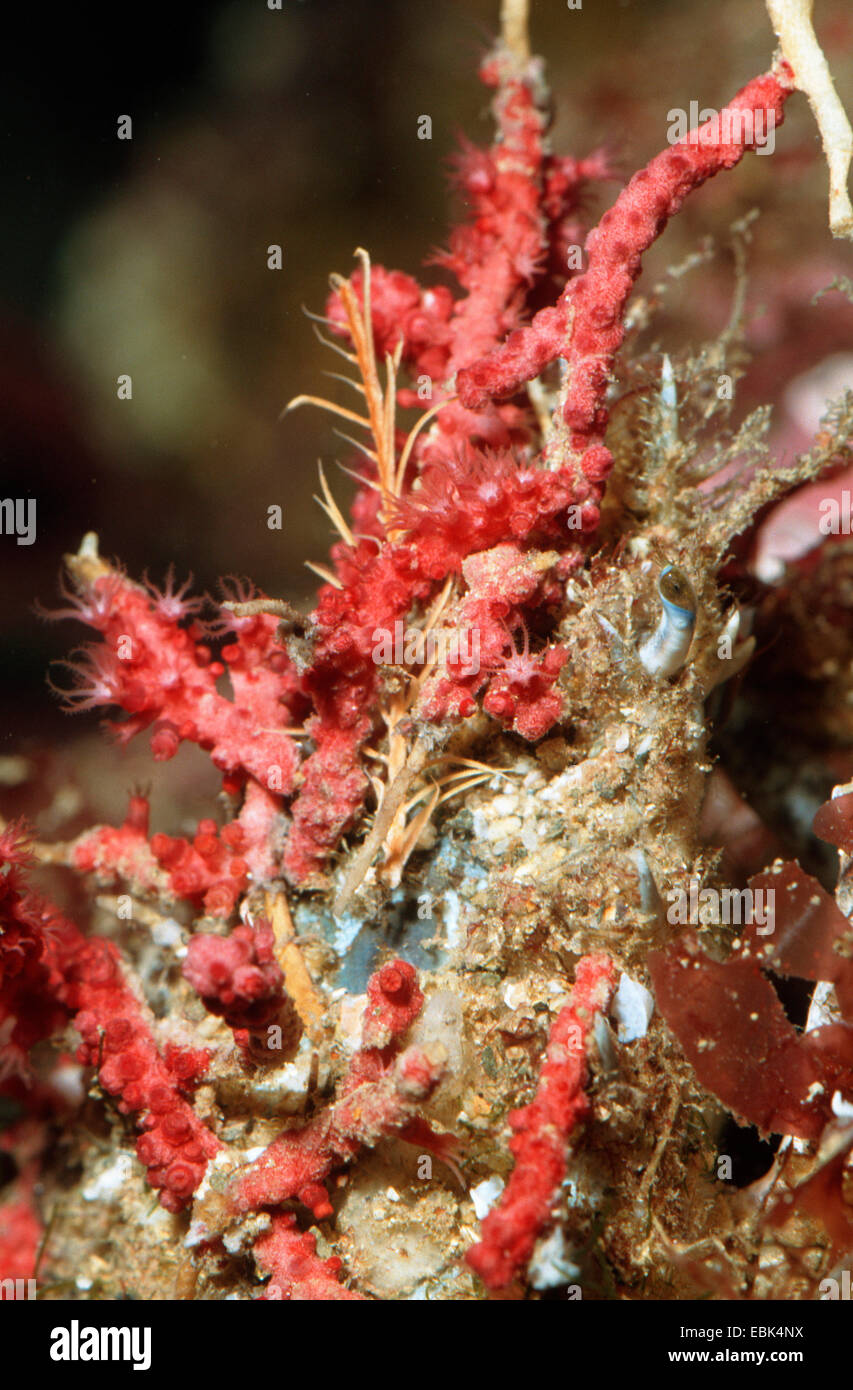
485 1194
107 1185
633 1006
551 1264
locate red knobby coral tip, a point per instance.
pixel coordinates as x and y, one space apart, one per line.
239 978
596 463
210 871
296 1270
393 1001
163 677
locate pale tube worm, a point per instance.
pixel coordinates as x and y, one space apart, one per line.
665 650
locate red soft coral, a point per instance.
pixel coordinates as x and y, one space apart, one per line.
474 483
297 1271
239 978
21 1235
504 583
297 1164
541 1133
586 325
50 971
117 1040
380 1095
163 676
211 871
30 1009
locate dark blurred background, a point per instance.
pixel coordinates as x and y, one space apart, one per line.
298 126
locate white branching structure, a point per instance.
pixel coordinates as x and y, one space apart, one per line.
792 21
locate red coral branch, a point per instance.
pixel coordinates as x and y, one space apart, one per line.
20 1231
297 1271
379 1096
162 675
503 583
522 205
116 1039
586 325
542 1131
30 1008
394 1000
239 979
50 971
297 1164
209 871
